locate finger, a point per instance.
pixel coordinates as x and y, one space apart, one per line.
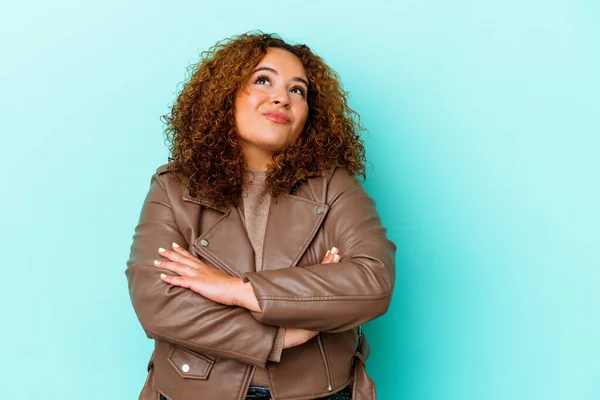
330 257
179 249
180 281
336 254
180 258
178 268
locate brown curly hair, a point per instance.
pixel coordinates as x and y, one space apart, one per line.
204 146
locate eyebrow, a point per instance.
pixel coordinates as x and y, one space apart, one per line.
298 79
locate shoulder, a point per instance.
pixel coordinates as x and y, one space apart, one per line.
168 179
167 172
163 169
164 174
340 180
340 183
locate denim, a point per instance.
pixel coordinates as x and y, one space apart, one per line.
263 393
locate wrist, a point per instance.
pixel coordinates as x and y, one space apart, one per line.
244 296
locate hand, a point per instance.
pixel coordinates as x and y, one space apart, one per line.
295 337
331 256
195 275
211 282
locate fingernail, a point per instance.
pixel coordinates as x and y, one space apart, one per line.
156 262
161 250
334 250
175 245
336 258
327 253
163 276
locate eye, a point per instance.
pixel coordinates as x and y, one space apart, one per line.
299 90
262 80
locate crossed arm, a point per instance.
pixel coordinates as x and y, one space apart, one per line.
221 288
212 323
199 307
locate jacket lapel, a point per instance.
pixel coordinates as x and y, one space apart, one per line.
292 223
226 245
222 241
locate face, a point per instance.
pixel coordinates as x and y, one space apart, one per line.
270 112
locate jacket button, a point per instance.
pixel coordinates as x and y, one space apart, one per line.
204 242
185 368
319 210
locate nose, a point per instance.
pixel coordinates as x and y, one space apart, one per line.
281 97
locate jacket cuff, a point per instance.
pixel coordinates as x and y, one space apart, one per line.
275 355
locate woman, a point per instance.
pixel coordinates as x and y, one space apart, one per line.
258 254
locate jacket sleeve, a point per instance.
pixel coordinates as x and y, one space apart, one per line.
339 296
181 316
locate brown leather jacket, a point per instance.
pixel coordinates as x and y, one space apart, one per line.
206 350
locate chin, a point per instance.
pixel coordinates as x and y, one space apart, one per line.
274 148
272 142
275 145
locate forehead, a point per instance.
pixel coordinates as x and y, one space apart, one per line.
284 62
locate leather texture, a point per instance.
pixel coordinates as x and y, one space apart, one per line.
206 350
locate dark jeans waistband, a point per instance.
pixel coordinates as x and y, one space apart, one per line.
260 393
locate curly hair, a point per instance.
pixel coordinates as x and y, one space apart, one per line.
205 149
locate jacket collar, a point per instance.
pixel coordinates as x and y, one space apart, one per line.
210 204
201 200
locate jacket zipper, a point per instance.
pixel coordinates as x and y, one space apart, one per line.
329 387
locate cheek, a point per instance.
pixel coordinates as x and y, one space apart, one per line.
301 117
246 104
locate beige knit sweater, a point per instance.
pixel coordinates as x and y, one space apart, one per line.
254 211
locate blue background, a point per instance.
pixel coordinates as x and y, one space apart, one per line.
484 126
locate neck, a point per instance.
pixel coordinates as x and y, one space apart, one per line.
257 158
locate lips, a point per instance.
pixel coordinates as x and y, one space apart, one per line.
278 117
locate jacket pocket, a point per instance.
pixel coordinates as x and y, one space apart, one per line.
190 365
